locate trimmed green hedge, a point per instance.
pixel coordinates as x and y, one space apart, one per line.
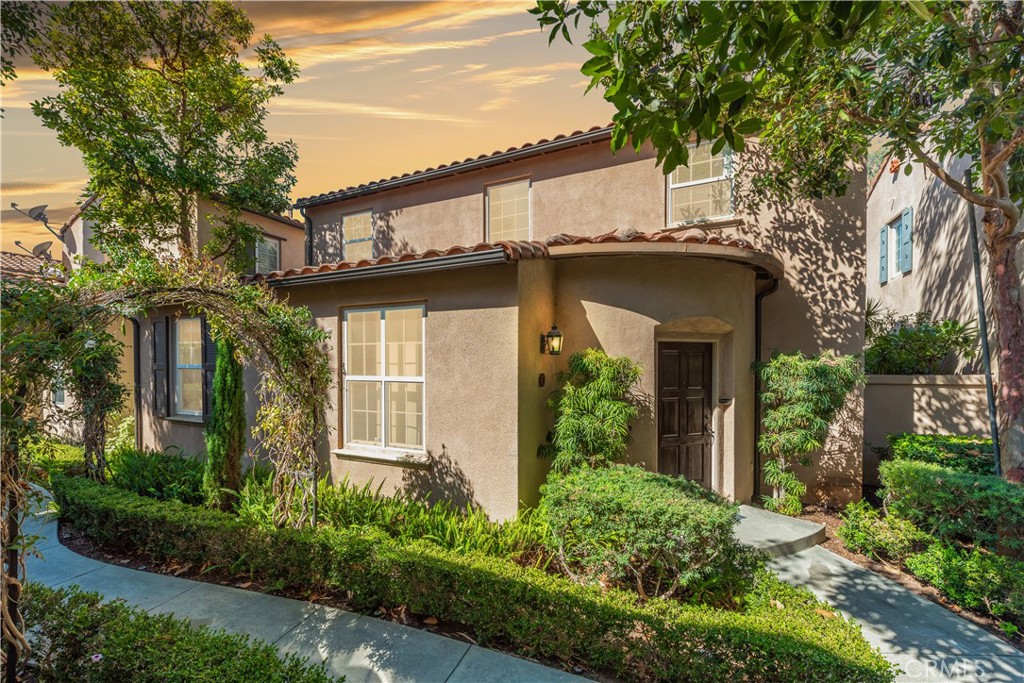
47 458
958 452
780 635
76 637
956 506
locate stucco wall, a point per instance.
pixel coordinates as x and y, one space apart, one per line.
923 404
293 238
472 379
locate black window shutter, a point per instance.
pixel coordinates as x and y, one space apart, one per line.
209 367
160 397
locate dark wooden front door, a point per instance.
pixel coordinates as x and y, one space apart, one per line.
684 411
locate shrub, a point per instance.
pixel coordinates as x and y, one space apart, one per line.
651 533
158 474
977 509
885 538
802 397
963 453
976 579
47 458
783 634
917 344
593 410
121 434
226 430
76 637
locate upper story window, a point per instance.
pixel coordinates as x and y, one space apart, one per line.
384 382
508 211
188 366
357 236
268 255
59 396
702 190
896 247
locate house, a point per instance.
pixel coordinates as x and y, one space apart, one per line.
442 290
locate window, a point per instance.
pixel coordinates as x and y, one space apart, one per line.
357 236
896 247
384 386
508 212
268 255
59 397
702 190
188 366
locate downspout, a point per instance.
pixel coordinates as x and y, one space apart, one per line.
758 318
137 372
309 235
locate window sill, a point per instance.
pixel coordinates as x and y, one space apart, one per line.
706 224
400 458
186 419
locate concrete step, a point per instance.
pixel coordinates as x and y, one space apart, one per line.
775 534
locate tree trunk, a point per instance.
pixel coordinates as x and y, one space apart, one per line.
1006 286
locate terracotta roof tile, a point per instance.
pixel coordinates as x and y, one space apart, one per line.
453 167
15 266
521 250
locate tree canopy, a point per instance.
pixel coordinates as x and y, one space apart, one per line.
167 102
817 83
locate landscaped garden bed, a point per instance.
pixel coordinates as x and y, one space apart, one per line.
948 530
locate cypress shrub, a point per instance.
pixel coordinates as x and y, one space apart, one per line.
225 431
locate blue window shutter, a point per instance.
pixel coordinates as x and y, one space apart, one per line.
907 240
883 255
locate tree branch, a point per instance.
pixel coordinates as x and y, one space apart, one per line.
1004 154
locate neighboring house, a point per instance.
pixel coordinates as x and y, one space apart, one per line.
15 266
281 246
439 287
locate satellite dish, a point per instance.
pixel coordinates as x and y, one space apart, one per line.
41 249
36 212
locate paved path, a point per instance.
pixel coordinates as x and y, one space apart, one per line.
363 649
928 642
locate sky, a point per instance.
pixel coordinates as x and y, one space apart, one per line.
384 88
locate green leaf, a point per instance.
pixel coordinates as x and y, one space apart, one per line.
732 90
921 9
599 48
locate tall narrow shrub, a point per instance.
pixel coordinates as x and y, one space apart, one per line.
226 429
802 397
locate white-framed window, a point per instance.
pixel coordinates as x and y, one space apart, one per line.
187 345
508 211
896 247
384 378
268 255
357 236
59 396
703 190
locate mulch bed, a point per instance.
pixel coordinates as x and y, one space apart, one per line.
78 542
829 517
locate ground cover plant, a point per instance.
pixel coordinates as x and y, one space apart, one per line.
966 453
76 637
777 634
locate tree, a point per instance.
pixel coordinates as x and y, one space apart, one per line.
226 430
18 27
93 378
164 109
816 83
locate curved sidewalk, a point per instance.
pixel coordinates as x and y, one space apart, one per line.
363 649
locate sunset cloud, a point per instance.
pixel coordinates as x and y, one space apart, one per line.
297 106
15 189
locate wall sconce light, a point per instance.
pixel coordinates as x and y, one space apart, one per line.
551 343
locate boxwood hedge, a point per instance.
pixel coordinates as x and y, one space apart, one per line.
781 634
965 453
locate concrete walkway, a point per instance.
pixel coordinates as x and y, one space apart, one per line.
777 534
928 642
362 649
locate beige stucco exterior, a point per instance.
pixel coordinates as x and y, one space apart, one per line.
484 403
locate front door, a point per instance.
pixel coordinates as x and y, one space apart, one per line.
684 411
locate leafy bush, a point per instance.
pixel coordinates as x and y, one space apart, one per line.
76 637
121 434
963 453
657 535
976 579
783 634
593 410
885 538
917 344
802 397
347 506
158 474
47 458
977 509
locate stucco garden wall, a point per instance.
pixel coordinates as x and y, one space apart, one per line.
923 404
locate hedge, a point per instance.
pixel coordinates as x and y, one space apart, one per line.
958 452
47 458
956 506
76 637
782 634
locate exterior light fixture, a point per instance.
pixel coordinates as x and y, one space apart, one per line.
551 343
